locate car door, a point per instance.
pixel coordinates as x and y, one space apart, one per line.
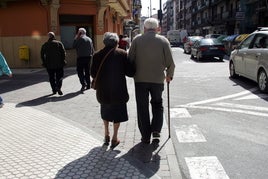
241 54
253 57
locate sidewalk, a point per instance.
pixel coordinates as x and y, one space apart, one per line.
45 136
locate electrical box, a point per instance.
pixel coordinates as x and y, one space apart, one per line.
24 52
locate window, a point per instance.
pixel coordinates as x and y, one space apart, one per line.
69 25
246 43
260 41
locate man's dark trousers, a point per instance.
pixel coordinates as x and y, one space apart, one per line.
83 70
143 91
55 78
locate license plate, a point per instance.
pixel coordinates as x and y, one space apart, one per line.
213 48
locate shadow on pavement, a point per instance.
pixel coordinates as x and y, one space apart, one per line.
248 84
103 163
28 78
48 98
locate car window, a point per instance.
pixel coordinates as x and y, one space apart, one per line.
210 42
246 43
260 41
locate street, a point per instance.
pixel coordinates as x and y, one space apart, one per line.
219 125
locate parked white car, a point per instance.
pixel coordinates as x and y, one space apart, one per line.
250 59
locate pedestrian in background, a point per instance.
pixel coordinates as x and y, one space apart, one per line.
53 59
152 56
123 44
84 48
4 69
109 67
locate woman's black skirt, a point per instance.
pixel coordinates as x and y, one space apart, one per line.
114 113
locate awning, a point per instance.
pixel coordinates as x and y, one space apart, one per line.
241 37
230 38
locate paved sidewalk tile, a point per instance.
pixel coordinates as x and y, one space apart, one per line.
61 136
35 144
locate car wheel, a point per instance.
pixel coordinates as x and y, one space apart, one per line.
232 70
263 81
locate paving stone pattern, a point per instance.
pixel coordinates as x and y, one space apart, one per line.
45 136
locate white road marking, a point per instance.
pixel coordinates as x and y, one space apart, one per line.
188 134
179 113
228 110
221 98
207 167
230 107
253 96
247 107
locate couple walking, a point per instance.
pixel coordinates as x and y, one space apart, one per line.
150 62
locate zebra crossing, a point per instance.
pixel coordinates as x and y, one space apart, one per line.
209 167
201 167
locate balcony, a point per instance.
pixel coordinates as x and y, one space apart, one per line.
214 2
251 1
188 16
188 4
225 15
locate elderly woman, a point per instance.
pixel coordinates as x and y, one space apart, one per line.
109 68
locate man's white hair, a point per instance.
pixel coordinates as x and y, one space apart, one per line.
151 23
82 30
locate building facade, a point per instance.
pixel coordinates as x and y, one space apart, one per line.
201 17
24 25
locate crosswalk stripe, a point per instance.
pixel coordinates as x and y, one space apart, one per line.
179 113
207 167
189 134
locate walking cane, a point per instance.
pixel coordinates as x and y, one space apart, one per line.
168 110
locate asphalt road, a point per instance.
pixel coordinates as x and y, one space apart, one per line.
219 125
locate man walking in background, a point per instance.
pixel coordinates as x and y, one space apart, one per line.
152 56
84 48
53 57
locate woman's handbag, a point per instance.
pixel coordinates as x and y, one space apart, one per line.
93 83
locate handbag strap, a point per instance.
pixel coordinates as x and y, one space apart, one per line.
95 79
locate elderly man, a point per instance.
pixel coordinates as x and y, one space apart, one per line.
53 57
84 48
152 55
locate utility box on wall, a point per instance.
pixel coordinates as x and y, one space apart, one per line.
24 53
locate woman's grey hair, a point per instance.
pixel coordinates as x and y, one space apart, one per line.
151 23
110 39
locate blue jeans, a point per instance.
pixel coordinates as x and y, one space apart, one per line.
143 92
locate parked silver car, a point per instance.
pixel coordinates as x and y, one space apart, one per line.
250 59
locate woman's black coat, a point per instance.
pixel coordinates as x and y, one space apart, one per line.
111 81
